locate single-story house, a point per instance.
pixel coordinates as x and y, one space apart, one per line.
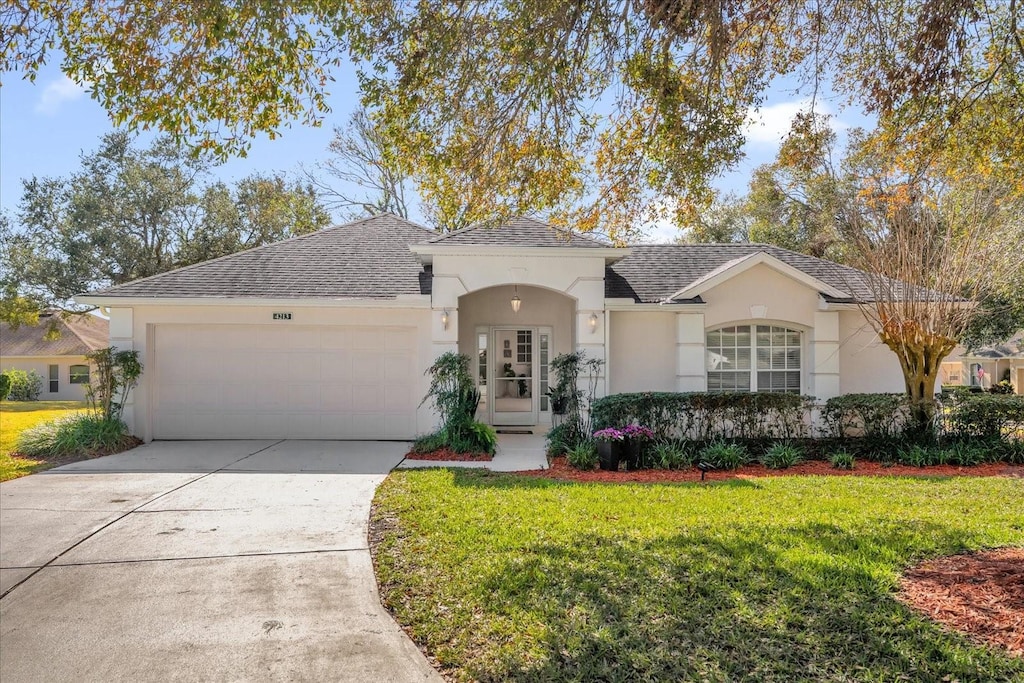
328 335
987 365
59 361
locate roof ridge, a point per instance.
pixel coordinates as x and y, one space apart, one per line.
296 238
67 324
539 223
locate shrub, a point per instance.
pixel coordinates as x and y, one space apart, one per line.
81 434
985 416
429 443
872 416
25 386
916 455
583 456
568 368
702 416
781 456
117 373
967 454
486 439
1004 387
842 460
672 456
5 386
724 456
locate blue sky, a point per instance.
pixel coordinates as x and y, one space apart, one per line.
45 125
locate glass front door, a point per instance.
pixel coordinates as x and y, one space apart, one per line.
512 390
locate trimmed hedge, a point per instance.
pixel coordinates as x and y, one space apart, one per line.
872 416
24 386
985 416
698 416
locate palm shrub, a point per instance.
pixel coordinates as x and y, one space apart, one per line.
781 456
583 456
725 456
455 397
842 460
672 456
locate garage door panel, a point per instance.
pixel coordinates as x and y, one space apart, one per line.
261 381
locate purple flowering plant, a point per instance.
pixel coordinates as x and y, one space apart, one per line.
610 434
638 433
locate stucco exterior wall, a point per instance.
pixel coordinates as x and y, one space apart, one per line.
782 298
866 364
540 307
642 351
41 364
140 322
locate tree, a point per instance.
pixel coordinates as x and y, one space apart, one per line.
361 158
930 250
131 213
793 202
593 110
726 220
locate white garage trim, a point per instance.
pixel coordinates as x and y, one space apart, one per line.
298 382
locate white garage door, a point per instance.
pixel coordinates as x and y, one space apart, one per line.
254 381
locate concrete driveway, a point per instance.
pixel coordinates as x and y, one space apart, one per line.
226 561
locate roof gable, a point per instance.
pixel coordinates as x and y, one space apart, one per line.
742 264
78 335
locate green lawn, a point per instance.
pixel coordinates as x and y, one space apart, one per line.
16 417
776 579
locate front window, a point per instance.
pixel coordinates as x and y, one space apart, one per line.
762 358
79 374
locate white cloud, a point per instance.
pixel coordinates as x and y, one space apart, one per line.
769 125
56 93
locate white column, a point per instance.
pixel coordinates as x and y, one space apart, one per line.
824 356
690 352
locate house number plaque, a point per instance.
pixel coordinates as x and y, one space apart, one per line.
282 316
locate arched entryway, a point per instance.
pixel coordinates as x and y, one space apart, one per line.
511 351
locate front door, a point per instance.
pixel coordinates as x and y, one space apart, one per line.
513 395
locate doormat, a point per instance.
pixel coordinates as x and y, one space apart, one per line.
514 431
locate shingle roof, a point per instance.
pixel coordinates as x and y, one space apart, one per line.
1012 348
655 271
367 259
79 335
519 232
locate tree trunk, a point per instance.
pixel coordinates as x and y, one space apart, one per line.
920 355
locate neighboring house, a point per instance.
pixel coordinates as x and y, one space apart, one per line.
988 365
61 361
328 335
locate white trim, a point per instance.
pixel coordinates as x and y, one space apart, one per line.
744 264
426 252
664 306
402 301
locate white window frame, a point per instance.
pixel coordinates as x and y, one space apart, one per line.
754 347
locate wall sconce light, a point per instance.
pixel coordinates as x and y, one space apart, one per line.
592 320
516 301
444 319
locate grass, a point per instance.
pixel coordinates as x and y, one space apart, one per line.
778 579
16 417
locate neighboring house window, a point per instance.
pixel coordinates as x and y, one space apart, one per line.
79 374
524 346
54 379
754 358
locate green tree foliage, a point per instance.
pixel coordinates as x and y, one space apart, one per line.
592 110
129 213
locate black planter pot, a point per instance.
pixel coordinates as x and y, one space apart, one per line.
634 455
609 453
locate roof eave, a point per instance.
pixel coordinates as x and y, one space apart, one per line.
400 301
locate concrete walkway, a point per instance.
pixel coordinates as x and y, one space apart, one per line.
515 453
223 561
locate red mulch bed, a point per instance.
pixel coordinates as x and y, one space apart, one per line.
980 594
447 454
560 469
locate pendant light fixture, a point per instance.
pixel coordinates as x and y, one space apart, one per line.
516 301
